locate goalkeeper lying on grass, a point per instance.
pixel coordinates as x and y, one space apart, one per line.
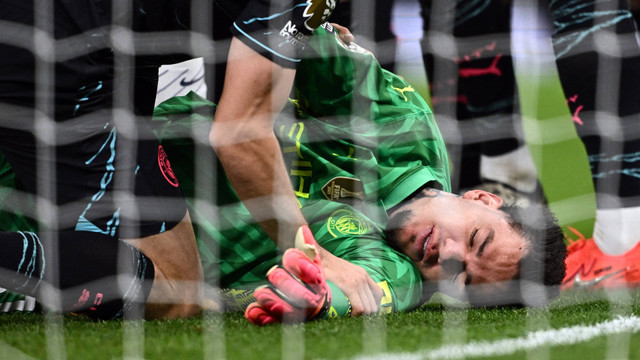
370 170
371 173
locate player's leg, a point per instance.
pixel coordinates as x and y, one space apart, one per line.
174 276
82 272
177 289
162 230
476 88
95 220
603 92
99 173
137 198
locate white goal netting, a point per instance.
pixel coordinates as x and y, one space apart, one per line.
534 100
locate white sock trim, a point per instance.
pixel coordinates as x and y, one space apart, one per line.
617 230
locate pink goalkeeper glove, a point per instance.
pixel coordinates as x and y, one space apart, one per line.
298 291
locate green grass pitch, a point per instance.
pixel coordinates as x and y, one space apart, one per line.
581 326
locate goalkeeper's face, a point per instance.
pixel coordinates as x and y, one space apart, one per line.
458 239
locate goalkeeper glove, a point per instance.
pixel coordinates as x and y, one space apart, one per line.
298 290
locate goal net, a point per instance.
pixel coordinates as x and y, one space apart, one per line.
535 101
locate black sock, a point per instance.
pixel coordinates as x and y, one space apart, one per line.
97 274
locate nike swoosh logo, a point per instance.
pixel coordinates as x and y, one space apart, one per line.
577 281
185 82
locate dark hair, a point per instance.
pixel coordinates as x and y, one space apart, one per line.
541 270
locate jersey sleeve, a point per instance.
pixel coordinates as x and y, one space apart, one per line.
351 235
280 29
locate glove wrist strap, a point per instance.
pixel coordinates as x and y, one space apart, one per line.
339 306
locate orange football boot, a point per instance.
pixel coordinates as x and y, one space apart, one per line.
588 267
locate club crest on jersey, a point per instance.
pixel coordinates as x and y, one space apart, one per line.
317 12
346 222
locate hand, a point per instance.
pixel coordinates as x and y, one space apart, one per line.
363 293
298 290
344 33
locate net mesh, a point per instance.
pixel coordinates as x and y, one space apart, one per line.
500 136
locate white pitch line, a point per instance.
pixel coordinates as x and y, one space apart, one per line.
563 336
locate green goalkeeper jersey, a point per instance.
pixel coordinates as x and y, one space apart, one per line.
356 140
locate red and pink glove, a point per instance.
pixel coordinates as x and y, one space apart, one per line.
297 291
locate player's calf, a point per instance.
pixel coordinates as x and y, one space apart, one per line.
177 290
